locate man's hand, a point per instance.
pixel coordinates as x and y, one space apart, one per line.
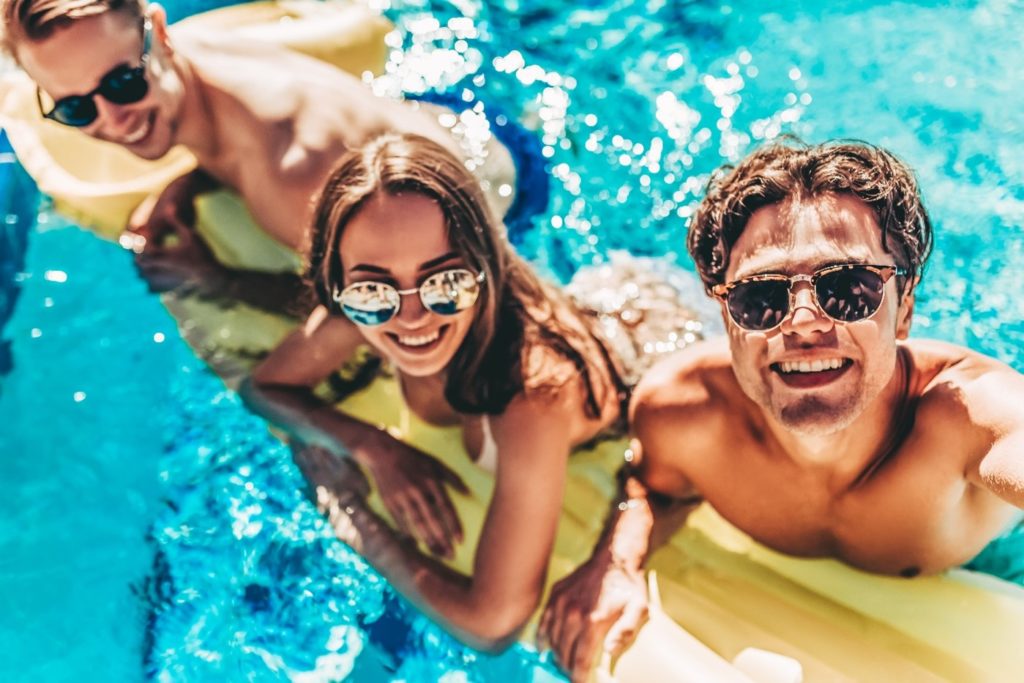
182 259
411 485
161 232
597 609
155 218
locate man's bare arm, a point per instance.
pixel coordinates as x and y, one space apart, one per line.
992 399
1002 469
604 602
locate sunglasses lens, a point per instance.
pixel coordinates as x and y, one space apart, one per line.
850 294
74 111
369 303
124 85
759 305
450 291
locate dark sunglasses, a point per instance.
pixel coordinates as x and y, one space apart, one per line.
375 303
121 85
846 293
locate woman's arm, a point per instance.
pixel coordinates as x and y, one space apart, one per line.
411 483
488 609
281 388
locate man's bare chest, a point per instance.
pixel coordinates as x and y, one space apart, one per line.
909 517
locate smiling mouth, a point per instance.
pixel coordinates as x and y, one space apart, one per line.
140 133
419 343
811 374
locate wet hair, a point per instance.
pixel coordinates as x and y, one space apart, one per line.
516 315
35 20
790 170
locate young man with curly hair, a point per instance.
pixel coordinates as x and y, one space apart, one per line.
817 427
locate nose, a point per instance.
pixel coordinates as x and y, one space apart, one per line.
412 313
113 120
805 316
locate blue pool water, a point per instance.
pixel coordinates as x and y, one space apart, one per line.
150 527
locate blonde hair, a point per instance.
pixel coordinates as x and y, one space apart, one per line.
34 20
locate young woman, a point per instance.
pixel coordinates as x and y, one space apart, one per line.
407 259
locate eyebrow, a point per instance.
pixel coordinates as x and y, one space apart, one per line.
858 259
426 265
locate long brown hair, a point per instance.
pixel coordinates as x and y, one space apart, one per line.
516 312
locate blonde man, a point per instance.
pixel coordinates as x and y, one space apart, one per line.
267 122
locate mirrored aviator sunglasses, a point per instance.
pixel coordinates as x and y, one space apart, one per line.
371 303
121 85
846 293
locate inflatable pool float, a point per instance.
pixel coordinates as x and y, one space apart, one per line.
725 597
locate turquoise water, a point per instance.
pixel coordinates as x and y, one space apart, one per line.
151 528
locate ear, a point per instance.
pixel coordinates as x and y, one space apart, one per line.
158 20
725 311
906 311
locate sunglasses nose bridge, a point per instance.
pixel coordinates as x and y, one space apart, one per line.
113 117
802 297
413 310
805 314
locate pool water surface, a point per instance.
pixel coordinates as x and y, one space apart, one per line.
152 528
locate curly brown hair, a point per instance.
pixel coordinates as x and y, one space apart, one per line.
790 169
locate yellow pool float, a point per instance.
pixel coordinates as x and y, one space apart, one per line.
724 595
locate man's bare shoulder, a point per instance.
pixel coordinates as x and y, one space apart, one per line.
684 395
686 380
678 414
961 388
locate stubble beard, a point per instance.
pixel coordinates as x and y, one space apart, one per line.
814 416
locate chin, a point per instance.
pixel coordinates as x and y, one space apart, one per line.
810 416
157 144
421 369
151 152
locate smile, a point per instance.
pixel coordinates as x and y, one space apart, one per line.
811 366
419 343
808 374
140 133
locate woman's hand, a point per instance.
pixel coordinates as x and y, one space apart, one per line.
598 608
411 485
336 485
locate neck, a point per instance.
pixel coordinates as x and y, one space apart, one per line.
196 129
425 397
422 385
849 456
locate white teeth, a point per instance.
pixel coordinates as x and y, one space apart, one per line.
137 134
421 340
811 366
